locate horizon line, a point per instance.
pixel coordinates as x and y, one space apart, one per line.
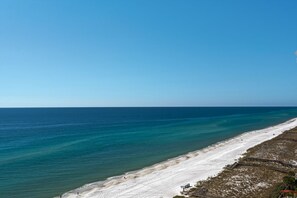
56 107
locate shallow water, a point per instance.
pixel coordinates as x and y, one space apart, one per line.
45 152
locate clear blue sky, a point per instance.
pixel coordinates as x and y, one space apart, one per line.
148 53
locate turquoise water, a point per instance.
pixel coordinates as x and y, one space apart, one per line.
45 152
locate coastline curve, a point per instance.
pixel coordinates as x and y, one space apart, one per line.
165 178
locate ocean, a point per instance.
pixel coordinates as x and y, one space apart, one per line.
45 152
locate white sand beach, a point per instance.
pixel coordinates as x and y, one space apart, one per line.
164 179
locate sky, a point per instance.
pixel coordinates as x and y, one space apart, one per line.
57 53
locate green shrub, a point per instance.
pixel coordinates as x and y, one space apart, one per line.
290 182
276 192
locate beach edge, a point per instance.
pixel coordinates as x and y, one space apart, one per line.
102 187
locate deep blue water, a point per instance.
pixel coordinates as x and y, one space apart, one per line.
47 151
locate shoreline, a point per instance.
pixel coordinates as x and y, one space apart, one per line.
259 173
165 178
